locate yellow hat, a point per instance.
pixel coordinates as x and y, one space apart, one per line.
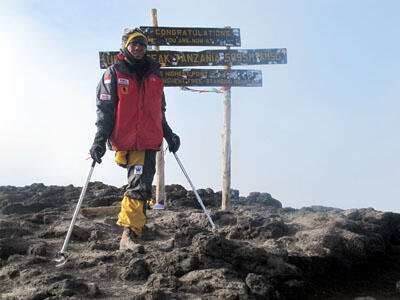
136 37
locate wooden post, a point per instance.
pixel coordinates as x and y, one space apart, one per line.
226 148
160 163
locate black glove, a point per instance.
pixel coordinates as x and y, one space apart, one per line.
173 142
98 150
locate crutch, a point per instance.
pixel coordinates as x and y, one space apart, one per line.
195 191
62 255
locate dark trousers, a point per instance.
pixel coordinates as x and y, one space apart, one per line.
140 181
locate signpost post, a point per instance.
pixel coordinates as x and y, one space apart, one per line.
226 147
160 162
173 75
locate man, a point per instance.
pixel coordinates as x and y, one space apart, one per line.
131 117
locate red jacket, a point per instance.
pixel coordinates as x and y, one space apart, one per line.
131 112
138 113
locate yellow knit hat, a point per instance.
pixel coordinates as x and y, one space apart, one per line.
134 36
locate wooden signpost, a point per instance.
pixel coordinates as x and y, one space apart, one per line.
160 162
174 75
182 36
211 77
207 58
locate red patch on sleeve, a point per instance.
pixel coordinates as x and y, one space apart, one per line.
107 79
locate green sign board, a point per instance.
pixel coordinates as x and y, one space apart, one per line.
208 57
186 36
211 77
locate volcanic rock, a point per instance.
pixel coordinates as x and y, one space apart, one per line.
259 249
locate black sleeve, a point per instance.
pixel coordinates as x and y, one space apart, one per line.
167 131
106 101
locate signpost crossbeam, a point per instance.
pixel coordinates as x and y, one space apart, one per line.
189 36
208 57
211 77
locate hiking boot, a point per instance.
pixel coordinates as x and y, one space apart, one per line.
129 241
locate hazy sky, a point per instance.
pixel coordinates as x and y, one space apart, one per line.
323 129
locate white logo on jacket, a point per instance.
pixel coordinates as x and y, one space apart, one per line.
123 81
105 97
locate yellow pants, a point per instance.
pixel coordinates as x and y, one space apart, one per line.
132 214
129 158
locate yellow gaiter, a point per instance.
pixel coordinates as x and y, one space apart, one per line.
132 215
132 210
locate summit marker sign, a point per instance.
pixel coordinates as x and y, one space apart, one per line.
174 75
211 77
186 36
208 58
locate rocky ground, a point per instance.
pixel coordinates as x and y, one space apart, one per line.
258 251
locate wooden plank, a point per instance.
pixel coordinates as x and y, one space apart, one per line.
211 77
191 36
208 58
100 211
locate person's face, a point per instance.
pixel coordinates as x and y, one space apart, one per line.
137 50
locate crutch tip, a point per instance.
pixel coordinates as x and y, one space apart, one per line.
61 259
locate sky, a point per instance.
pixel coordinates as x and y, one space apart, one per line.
322 130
